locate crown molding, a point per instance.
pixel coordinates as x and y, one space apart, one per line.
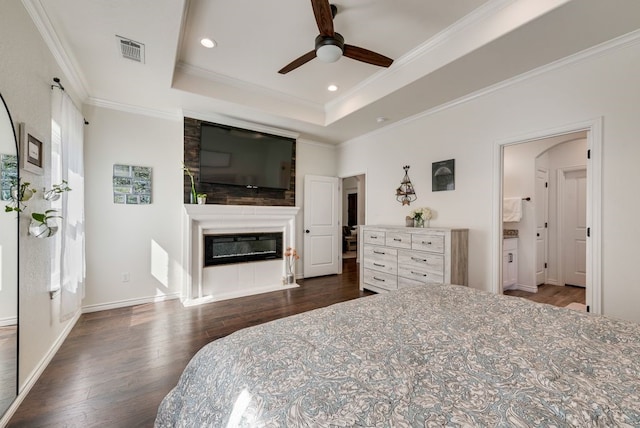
65 60
621 42
317 144
424 49
238 123
128 108
245 86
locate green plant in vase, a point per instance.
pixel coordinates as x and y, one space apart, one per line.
194 195
19 195
40 226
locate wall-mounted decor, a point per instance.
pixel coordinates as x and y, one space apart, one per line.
131 184
406 194
443 175
32 150
8 175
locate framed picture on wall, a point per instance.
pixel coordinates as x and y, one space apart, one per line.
443 175
32 150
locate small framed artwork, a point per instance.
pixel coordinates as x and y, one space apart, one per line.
32 150
131 184
443 175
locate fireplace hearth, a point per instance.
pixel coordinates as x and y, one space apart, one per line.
224 249
205 282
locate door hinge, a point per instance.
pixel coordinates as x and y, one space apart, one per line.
546 184
588 308
546 225
588 232
545 265
589 154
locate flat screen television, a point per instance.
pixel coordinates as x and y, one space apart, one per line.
240 157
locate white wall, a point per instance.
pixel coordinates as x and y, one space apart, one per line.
26 71
314 159
141 241
603 85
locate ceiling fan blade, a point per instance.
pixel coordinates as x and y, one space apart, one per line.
367 56
324 17
298 62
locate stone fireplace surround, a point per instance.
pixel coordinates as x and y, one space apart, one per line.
214 283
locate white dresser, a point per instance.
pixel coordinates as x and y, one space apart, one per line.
394 257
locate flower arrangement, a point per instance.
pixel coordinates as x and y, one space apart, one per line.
291 255
420 214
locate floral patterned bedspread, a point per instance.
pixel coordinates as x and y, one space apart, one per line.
439 355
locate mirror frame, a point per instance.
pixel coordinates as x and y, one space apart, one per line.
17 384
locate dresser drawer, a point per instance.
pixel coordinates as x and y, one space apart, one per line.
398 240
427 242
374 237
416 275
382 259
422 262
380 279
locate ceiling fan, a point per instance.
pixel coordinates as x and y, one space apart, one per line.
330 46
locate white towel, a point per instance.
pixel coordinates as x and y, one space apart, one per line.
512 209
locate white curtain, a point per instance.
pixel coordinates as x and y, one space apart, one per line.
67 163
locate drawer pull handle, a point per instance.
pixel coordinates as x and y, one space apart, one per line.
418 273
378 264
378 279
415 259
373 237
426 243
379 252
397 239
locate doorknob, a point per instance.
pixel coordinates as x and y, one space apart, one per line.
306 231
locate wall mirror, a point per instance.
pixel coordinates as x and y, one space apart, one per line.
8 262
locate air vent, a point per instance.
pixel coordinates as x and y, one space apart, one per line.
131 49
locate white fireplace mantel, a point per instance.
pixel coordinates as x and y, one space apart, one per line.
213 283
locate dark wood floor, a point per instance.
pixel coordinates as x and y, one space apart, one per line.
556 295
116 366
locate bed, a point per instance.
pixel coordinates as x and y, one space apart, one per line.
437 355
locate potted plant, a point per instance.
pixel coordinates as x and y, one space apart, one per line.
19 194
40 226
56 191
202 198
194 195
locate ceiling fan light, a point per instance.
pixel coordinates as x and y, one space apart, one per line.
329 53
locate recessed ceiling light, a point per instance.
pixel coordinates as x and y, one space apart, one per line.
207 43
332 88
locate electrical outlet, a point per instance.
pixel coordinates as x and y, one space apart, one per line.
125 276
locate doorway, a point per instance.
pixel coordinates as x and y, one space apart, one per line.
554 269
352 213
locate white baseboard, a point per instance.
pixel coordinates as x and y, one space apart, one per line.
37 372
233 295
8 321
129 302
522 287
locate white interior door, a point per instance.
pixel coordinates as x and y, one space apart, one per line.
322 231
574 239
541 202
